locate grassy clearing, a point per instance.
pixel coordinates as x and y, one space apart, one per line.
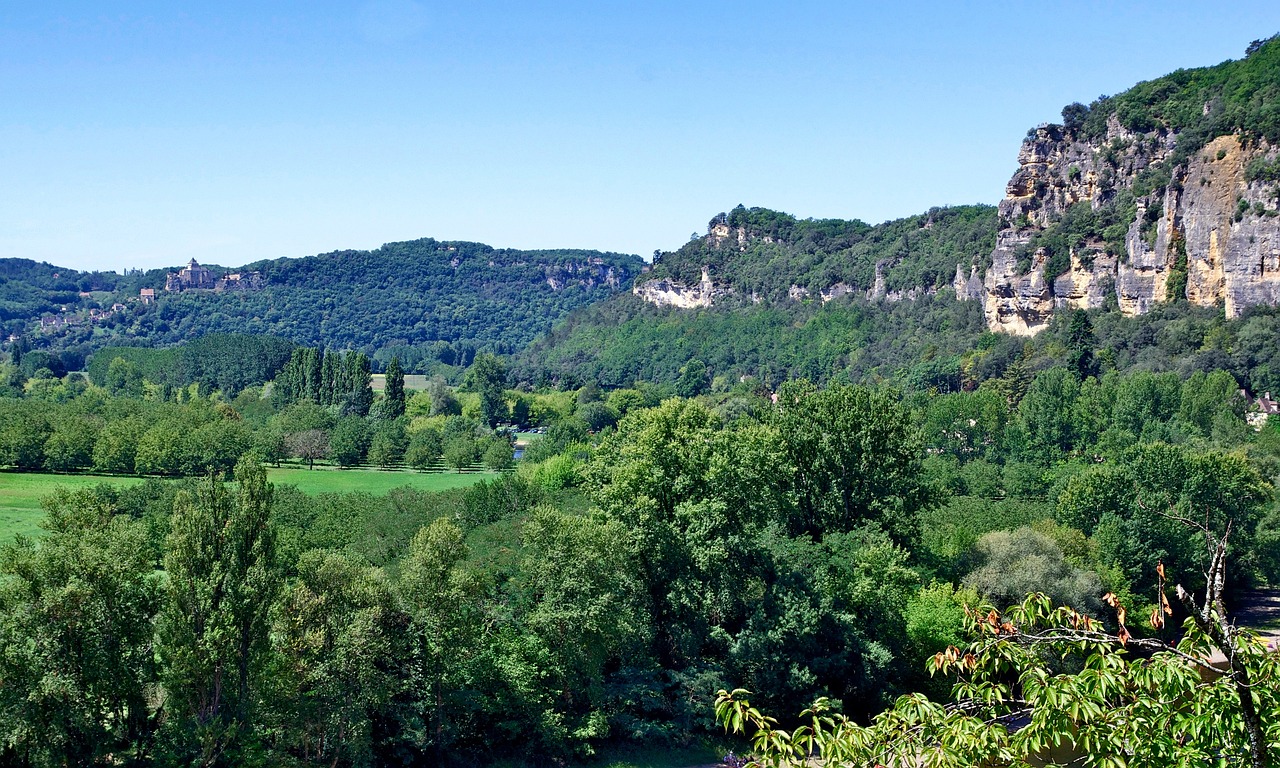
374 481
414 381
21 493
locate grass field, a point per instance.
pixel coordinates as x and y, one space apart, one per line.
373 481
414 381
21 492
20 495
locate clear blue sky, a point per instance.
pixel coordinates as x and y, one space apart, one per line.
145 134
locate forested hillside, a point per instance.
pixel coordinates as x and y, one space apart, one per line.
426 301
761 254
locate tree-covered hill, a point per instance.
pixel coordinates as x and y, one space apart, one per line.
764 253
774 323
425 300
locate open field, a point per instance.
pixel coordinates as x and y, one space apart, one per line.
21 492
415 381
373 481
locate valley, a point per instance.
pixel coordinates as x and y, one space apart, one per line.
994 484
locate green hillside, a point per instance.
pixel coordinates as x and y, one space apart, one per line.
767 252
776 336
425 300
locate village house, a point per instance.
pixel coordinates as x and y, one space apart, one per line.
1260 409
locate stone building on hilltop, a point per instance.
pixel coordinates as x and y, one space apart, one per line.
194 277
191 277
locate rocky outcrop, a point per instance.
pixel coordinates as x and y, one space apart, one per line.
665 292
1209 228
1233 239
1085 285
967 288
587 274
836 291
1016 303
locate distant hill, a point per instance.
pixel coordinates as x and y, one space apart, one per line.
426 300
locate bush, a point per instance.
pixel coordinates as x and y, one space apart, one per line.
1018 562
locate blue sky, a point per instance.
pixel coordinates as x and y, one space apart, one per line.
146 134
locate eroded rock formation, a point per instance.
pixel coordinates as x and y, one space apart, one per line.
1209 235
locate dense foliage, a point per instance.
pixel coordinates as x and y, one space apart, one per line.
825 544
1234 97
932 342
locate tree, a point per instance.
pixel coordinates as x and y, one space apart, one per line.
1015 563
856 458
124 378
393 392
76 618
1047 412
349 441
1073 683
330 390
425 447
24 428
498 456
336 631
693 379
488 376
521 409
70 445
1008 673
357 396
308 445
1073 116
389 444
443 402
597 415
584 613
212 630
440 598
1080 341
460 452
117 446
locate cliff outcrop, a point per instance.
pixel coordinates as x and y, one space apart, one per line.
1167 192
665 292
1210 234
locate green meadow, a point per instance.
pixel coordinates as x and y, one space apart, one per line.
375 481
22 492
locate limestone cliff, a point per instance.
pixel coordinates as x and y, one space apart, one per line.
666 292
1207 231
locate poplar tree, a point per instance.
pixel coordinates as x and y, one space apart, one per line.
329 393
359 393
394 390
212 630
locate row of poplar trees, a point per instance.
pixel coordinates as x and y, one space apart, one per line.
327 378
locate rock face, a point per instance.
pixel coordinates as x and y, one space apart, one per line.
1208 228
669 293
587 274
